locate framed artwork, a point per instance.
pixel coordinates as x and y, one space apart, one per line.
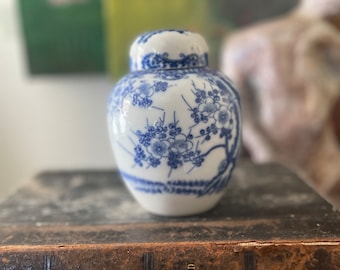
63 36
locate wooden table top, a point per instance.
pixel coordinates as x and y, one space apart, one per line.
263 206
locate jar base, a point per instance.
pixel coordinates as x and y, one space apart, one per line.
175 205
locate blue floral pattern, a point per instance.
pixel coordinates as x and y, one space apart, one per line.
214 112
162 61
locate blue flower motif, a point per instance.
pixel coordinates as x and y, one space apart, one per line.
180 144
161 130
207 110
197 160
139 155
151 131
140 101
222 117
154 162
174 130
187 157
142 96
214 94
196 117
214 129
161 86
145 89
200 96
210 108
174 160
159 148
144 139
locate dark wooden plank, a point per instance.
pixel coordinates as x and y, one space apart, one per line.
99 197
165 256
261 203
172 232
181 256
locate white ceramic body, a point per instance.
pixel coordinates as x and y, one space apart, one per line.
175 134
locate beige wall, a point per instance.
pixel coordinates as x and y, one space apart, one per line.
46 122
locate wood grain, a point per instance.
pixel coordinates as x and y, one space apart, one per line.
268 219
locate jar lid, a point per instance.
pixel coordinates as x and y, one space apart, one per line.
168 49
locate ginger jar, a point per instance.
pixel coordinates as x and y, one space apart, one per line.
174 125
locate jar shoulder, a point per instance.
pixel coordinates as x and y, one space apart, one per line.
159 79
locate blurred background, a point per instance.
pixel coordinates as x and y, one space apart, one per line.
60 58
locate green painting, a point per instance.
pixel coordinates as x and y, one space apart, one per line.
63 36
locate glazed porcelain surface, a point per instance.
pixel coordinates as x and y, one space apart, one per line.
174 125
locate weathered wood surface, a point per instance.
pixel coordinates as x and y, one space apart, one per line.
268 219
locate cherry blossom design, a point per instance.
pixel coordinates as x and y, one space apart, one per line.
213 109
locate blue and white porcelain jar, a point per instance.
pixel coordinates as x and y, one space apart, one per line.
174 124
